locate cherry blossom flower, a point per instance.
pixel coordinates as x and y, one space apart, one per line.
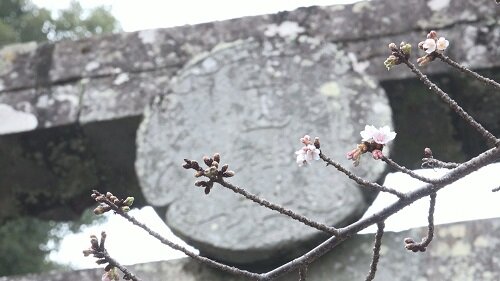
429 45
381 135
307 153
306 140
442 44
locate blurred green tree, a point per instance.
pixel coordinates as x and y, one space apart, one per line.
22 21
24 241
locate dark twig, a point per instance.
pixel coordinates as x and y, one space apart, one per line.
98 250
434 163
407 171
173 245
128 275
495 189
463 170
467 71
359 180
278 208
376 251
303 273
422 246
453 105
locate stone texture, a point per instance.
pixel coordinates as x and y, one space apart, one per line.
471 26
460 251
90 93
251 101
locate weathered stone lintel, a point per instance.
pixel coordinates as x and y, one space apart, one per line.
109 77
84 101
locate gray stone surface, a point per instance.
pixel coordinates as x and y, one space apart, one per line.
461 252
471 26
251 101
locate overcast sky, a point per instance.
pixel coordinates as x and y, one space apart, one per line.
146 14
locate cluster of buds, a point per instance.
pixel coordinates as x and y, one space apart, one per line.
309 152
413 246
98 250
373 140
432 45
212 172
398 55
110 202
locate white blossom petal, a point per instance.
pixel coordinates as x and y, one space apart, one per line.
442 44
429 45
368 133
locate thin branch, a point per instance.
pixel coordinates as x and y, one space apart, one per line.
407 171
128 275
359 180
98 250
178 247
376 251
434 163
422 246
278 208
467 71
303 273
453 105
463 170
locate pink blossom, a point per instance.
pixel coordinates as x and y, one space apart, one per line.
355 155
381 135
307 154
442 44
306 140
377 154
429 45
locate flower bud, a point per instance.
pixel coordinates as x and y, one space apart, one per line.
421 45
316 143
128 201
405 48
216 157
427 153
409 240
228 174
198 174
195 165
207 190
432 35
99 210
224 168
393 47
208 161
125 209
87 252
200 183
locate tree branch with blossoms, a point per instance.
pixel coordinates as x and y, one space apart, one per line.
373 141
